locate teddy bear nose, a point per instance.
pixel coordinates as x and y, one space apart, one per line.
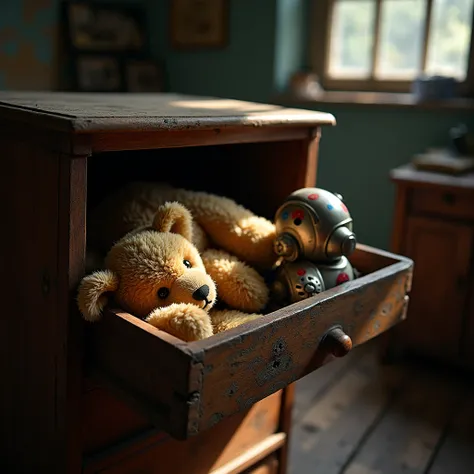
201 293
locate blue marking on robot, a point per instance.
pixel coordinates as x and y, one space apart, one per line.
330 207
285 215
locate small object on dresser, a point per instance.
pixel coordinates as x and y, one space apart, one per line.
443 161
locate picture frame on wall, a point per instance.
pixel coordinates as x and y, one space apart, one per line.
106 26
98 73
144 75
100 39
199 23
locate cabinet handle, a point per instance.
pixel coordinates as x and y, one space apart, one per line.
449 198
336 342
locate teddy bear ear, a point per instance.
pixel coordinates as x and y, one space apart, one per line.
92 297
174 217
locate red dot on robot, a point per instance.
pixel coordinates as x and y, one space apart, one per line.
298 214
344 207
313 197
342 278
300 272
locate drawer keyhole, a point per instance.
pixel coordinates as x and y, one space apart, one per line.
449 199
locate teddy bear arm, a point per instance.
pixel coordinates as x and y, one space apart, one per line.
239 286
222 320
182 320
231 226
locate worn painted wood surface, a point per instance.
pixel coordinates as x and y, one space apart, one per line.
270 353
83 113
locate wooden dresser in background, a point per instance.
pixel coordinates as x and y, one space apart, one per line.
434 226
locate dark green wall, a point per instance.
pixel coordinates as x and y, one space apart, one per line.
243 69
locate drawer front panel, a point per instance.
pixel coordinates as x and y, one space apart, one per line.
444 203
198 455
204 382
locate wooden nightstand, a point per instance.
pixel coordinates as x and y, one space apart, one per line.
120 396
434 226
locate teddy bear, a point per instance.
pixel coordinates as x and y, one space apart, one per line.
156 273
240 240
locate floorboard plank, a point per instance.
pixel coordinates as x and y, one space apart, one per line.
456 454
327 435
406 438
311 387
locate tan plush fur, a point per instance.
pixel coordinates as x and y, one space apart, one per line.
239 285
156 273
183 321
229 226
228 319
92 295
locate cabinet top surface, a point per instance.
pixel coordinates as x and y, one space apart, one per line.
81 112
409 174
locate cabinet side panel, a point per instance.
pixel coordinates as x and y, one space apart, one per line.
29 434
71 263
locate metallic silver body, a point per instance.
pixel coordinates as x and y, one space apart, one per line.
313 224
296 281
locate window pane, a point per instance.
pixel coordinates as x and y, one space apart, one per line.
352 29
401 39
450 32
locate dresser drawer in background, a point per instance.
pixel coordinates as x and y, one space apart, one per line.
443 202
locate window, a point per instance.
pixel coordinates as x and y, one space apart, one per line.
384 44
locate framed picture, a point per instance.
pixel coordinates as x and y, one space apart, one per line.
199 23
143 75
112 27
98 73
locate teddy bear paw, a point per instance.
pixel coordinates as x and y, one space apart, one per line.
182 320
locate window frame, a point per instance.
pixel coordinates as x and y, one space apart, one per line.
320 30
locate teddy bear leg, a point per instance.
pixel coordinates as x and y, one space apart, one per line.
238 285
222 320
182 320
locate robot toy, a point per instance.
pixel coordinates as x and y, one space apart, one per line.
314 238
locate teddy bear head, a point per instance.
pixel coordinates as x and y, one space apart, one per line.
151 267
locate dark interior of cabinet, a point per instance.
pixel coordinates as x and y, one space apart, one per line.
258 176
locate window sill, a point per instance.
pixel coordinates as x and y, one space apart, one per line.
374 99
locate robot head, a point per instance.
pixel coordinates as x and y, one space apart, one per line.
315 224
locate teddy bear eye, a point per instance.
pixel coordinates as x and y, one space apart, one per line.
187 263
163 292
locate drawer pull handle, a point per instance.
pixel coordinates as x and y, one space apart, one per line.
337 342
449 198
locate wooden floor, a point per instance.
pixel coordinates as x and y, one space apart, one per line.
356 416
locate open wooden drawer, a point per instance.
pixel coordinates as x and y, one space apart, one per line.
188 387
